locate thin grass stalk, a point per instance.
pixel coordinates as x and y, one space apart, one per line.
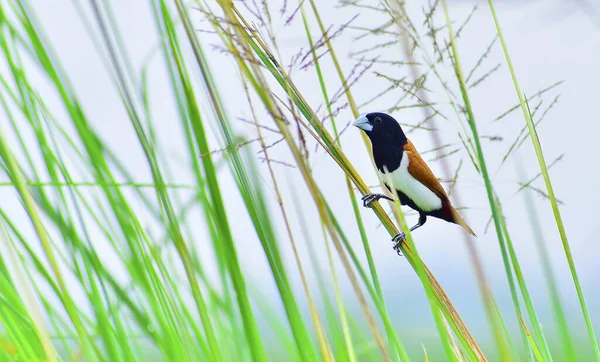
318 324
340 305
186 101
544 169
63 295
325 350
256 79
348 352
300 333
27 103
501 343
162 195
420 269
327 221
536 351
537 327
398 13
89 277
398 350
251 330
97 292
394 341
507 334
23 296
169 47
172 56
559 312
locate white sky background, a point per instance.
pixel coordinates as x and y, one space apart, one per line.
548 41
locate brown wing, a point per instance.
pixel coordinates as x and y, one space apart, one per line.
420 171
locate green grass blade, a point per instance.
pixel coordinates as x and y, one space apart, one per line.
559 312
501 344
399 351
542 163
537 327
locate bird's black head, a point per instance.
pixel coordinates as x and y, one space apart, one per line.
382 129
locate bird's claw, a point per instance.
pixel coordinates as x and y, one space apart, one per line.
398 239
369 198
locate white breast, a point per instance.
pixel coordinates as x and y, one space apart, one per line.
402 180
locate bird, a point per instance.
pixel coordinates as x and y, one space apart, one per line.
402 169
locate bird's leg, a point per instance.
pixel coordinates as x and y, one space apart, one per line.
399 238
369 198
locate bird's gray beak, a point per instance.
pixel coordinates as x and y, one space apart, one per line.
363 123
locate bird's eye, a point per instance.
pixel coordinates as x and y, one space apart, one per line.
377 120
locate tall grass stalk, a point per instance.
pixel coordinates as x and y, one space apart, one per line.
408 34
451 354
544 169
344 317
501 342
164 198
558 309
255 77
537 327
402 19
344 322
325 350
253 205
397 348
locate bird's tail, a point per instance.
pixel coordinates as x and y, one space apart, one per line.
460 221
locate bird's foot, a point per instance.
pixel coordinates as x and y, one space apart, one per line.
369 198
398 239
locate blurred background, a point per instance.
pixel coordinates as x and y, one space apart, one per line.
554 46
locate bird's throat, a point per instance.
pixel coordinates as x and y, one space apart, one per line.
387 158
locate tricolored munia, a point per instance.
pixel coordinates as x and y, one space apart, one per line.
401 167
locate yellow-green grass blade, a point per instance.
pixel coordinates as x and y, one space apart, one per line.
253 202
420 269
164 199
551 282
255 77
392 337
544 169
341 338
501 343
537 327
